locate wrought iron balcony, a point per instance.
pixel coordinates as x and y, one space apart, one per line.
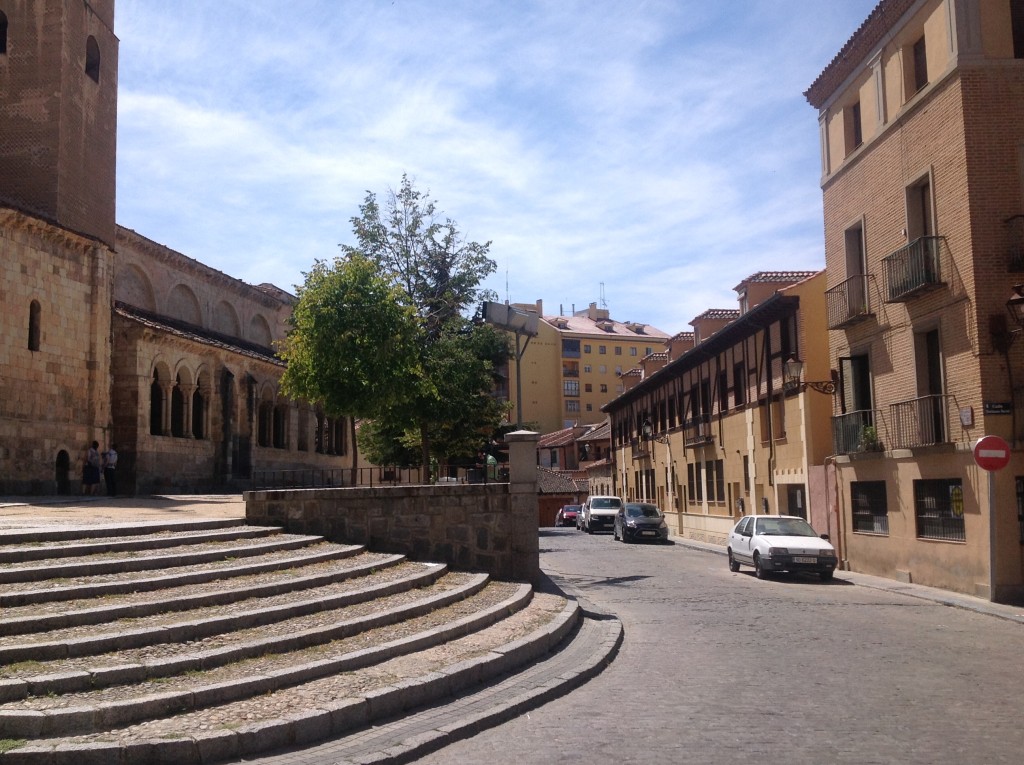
921 421
913 269
848 302
697 430
856 432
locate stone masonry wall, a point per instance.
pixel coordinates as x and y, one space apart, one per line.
482 527
471 527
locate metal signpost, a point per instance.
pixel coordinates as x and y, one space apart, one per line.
991 453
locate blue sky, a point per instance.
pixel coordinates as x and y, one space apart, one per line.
663 150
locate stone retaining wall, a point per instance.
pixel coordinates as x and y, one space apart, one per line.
478 527
467 526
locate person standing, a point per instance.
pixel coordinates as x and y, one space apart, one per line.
109 468
91 469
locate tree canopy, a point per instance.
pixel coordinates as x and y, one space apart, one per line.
354 344
385 333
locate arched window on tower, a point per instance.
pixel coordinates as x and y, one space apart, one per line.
92 58
33 325
3 33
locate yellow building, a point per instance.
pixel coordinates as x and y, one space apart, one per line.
572 367
922 141
721 430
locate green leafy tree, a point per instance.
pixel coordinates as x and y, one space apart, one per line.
354 343
451 412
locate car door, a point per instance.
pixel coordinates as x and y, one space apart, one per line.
740 540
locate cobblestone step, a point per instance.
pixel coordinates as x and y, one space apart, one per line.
197 623
132 605
47 534
97 585
187 555
93 711
317 708
21 553
112 652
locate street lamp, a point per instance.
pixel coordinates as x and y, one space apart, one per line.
522 324
1015 305
793 368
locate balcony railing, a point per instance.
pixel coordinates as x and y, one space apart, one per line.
913 269
848 302
920 421
567 372
697 430
856 432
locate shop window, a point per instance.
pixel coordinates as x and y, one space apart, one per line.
869 507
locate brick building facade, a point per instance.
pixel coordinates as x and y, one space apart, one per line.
922 133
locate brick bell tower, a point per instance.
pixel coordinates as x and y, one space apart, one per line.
58 112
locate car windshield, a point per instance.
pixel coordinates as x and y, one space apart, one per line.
642 511
605 503
784 527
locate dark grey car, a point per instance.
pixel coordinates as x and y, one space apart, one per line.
640 521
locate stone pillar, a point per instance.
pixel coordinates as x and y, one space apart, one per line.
522 489
165 416
186 409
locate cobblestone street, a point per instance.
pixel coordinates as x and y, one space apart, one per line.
720 667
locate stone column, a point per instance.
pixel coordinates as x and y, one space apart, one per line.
186 409
522 489
166 389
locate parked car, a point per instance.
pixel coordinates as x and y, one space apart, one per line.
566 515
599 513
780 543
640 521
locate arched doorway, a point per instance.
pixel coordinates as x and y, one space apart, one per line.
62 472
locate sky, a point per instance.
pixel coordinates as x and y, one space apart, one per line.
642 155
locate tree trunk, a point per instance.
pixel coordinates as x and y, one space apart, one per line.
425 451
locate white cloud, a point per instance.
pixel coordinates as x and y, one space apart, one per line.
660 148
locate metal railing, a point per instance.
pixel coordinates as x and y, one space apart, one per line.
913 269
369 477
921 421
856 432
697 430
848 302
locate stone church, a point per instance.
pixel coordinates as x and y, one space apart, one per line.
109 336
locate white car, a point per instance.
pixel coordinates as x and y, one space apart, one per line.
780 543
599 513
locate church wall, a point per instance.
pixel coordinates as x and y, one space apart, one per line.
57 398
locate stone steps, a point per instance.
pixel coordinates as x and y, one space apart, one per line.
190 668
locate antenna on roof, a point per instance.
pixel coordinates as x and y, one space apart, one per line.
604 303
507 298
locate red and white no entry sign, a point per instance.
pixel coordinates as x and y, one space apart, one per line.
991 453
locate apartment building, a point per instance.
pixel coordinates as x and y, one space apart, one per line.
922 144
739 421
573 365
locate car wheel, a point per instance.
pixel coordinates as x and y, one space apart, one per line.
734 566
759 571
826 576
589 529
